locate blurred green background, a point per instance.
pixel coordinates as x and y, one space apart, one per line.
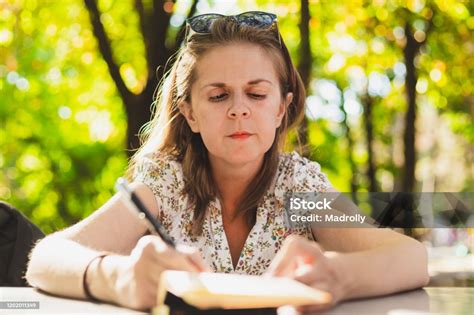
390 93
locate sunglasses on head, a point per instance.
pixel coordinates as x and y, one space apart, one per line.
258 19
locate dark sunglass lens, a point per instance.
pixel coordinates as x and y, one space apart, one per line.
256 19
202 23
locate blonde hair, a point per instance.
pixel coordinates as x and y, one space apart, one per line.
169 133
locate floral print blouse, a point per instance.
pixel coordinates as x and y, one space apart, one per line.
164 176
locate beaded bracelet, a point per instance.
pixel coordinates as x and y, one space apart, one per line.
87 292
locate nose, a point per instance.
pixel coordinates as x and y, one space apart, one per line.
238 109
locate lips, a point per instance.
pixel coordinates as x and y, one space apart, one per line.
240 135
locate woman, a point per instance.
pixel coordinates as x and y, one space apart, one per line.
211 170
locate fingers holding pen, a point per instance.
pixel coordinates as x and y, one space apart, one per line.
140 272
194 256
166 257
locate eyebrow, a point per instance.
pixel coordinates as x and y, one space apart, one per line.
221 84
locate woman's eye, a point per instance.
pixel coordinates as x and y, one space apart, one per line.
257 96
217 97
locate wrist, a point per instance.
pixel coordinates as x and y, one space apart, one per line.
102 276
91 265
345 280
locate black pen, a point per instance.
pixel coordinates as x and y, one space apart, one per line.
154 225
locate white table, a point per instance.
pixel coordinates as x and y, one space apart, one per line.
428 300
49 304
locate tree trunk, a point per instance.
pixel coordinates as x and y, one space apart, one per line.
304 69
154 27
368 103
350 150
138 113
409 53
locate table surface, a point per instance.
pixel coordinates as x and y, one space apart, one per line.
429 300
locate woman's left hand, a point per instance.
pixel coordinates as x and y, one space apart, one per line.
305 261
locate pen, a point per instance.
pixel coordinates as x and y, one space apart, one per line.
154 225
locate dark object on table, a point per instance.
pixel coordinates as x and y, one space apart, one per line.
17 237
179 307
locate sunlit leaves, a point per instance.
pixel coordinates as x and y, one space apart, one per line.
62 123
50 74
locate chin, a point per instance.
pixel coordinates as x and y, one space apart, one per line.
245 156
239 154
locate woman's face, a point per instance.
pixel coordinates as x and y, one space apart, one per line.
236 103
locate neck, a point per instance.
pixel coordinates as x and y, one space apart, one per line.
232 181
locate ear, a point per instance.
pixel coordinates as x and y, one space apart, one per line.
282 108
187 111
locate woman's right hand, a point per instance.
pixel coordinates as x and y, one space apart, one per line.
138 274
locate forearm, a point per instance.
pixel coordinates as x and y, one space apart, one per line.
383 270
57 266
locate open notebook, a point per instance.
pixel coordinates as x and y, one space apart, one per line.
230 291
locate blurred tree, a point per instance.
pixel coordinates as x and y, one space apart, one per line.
354 185
154 25
368 103
304 68
63 116
60 150
410 51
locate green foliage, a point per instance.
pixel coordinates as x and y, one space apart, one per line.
62 121
63 124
